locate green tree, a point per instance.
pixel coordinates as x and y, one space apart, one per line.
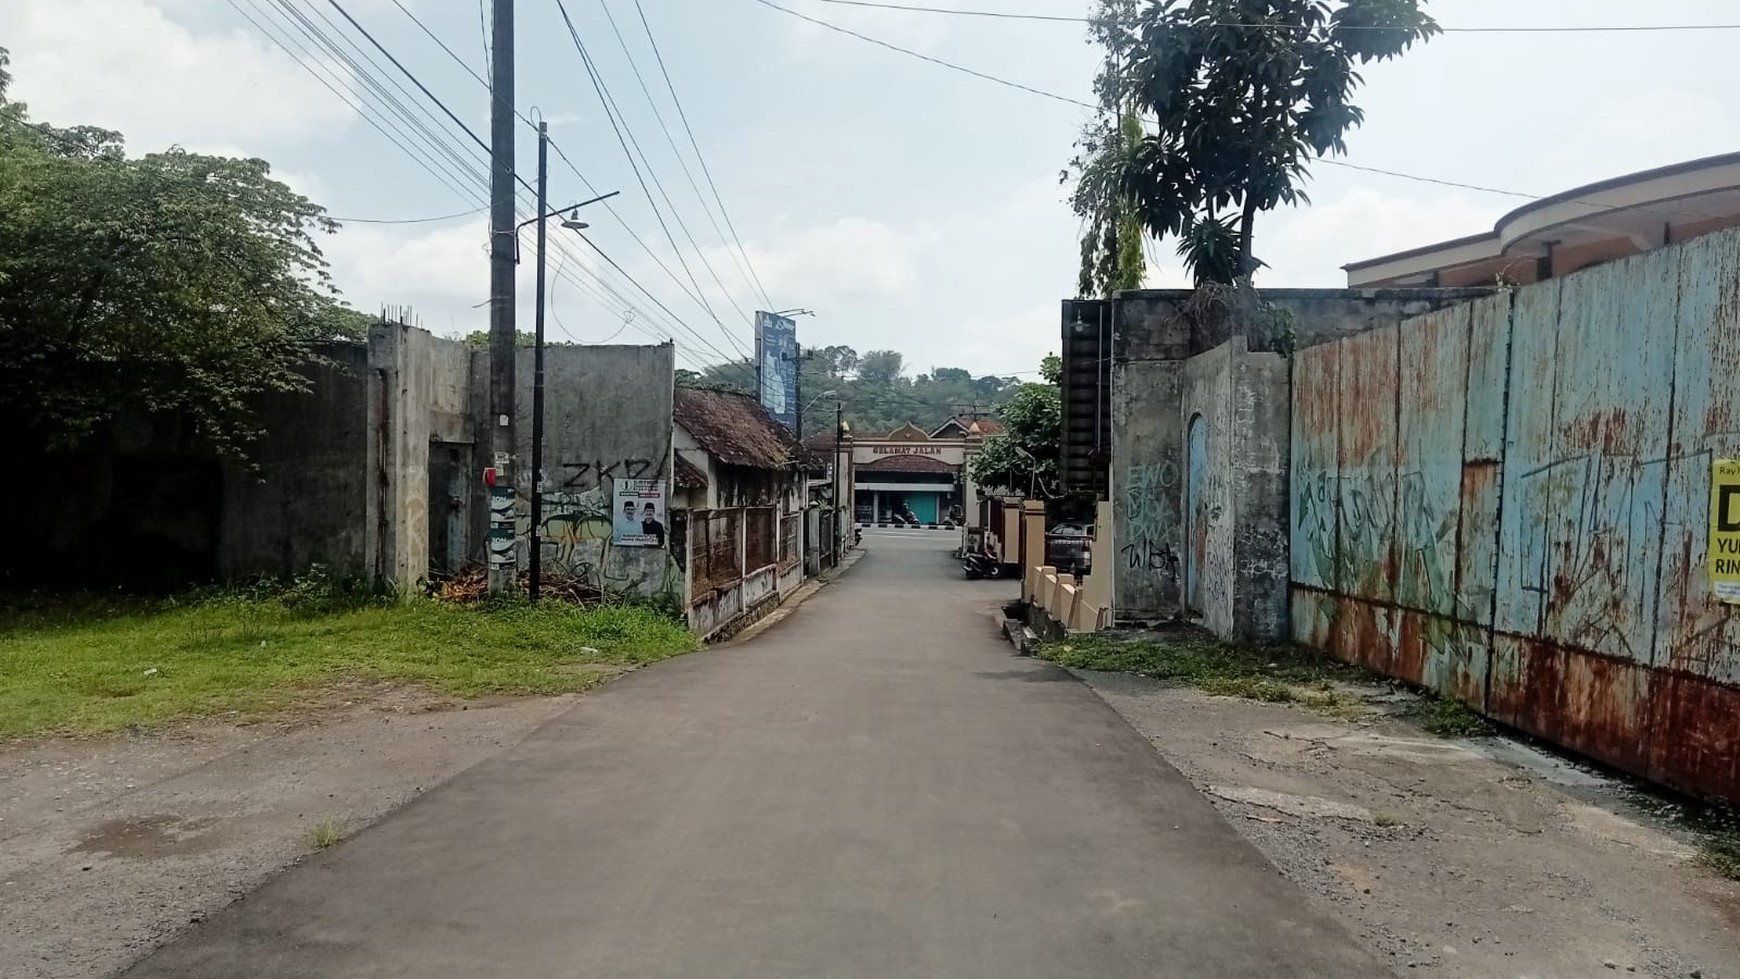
1026 458
174 282
881 368
1236 97
1111 245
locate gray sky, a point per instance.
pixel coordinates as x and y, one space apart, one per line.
911 206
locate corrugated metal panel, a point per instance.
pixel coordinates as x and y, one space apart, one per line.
1543 555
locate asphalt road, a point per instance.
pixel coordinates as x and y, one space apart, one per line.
876 787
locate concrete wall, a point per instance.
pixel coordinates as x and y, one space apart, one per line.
1150 322
313 498
608 415
146 503
1173 362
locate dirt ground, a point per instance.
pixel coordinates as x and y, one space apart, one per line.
1476 859
109 847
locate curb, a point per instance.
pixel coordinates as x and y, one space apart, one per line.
790 605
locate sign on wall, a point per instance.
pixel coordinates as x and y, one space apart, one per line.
1725 530
639 517
776 365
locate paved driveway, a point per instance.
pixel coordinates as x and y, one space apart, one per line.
875 788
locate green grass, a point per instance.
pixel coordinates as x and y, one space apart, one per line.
1449 718
1276 675
325 835
94 664
1721 852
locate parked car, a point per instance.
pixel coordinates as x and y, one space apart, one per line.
1069 547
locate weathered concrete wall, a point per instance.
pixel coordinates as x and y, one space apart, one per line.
1261 422
311 500
608 415
1210 512
1147 503
1152 321
1509 503
425 396
1239 548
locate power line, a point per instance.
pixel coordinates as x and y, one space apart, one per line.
1058 18
925 57
699 157
1327 161
373 84
744 267
681 163
444 217
998 14
560 153
624 140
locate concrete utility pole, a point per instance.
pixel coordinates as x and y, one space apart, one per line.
503 557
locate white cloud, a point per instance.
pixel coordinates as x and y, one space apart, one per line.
128 65
847 258
1308 246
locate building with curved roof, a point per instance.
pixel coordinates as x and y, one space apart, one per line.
1585 226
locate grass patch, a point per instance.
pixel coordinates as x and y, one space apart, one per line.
1384 819
1450 718
1720 852
94 664
325 835
1275 675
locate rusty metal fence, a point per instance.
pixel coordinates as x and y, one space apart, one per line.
1507 502
790 540
717 560
758 542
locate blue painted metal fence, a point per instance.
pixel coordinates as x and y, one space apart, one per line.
1507 502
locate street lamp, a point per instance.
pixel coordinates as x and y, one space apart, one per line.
573 223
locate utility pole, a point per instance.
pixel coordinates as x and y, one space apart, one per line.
503 556
536 532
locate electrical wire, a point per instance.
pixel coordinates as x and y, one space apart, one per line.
399 136
700 157
444 217
561 154
925 57
671 141
1326 161
1058 18
400 66
625 138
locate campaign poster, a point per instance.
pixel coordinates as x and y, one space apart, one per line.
638 518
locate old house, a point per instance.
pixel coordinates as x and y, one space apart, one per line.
739 505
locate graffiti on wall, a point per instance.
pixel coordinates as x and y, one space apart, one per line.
576 534
1147 519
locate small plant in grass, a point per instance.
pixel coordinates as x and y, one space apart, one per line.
325 835
1450 718
1721 852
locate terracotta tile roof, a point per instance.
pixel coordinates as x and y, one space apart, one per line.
690 476
907 464
734 429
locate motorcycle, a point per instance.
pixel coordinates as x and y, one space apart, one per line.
979 565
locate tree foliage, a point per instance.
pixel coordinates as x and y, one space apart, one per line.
1026 458
873 388
1236 97
1111 243
174 282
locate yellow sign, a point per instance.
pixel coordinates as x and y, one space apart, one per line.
1725 530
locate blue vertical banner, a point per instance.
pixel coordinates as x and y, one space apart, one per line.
776 366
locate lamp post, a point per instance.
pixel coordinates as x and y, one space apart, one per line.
573 223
